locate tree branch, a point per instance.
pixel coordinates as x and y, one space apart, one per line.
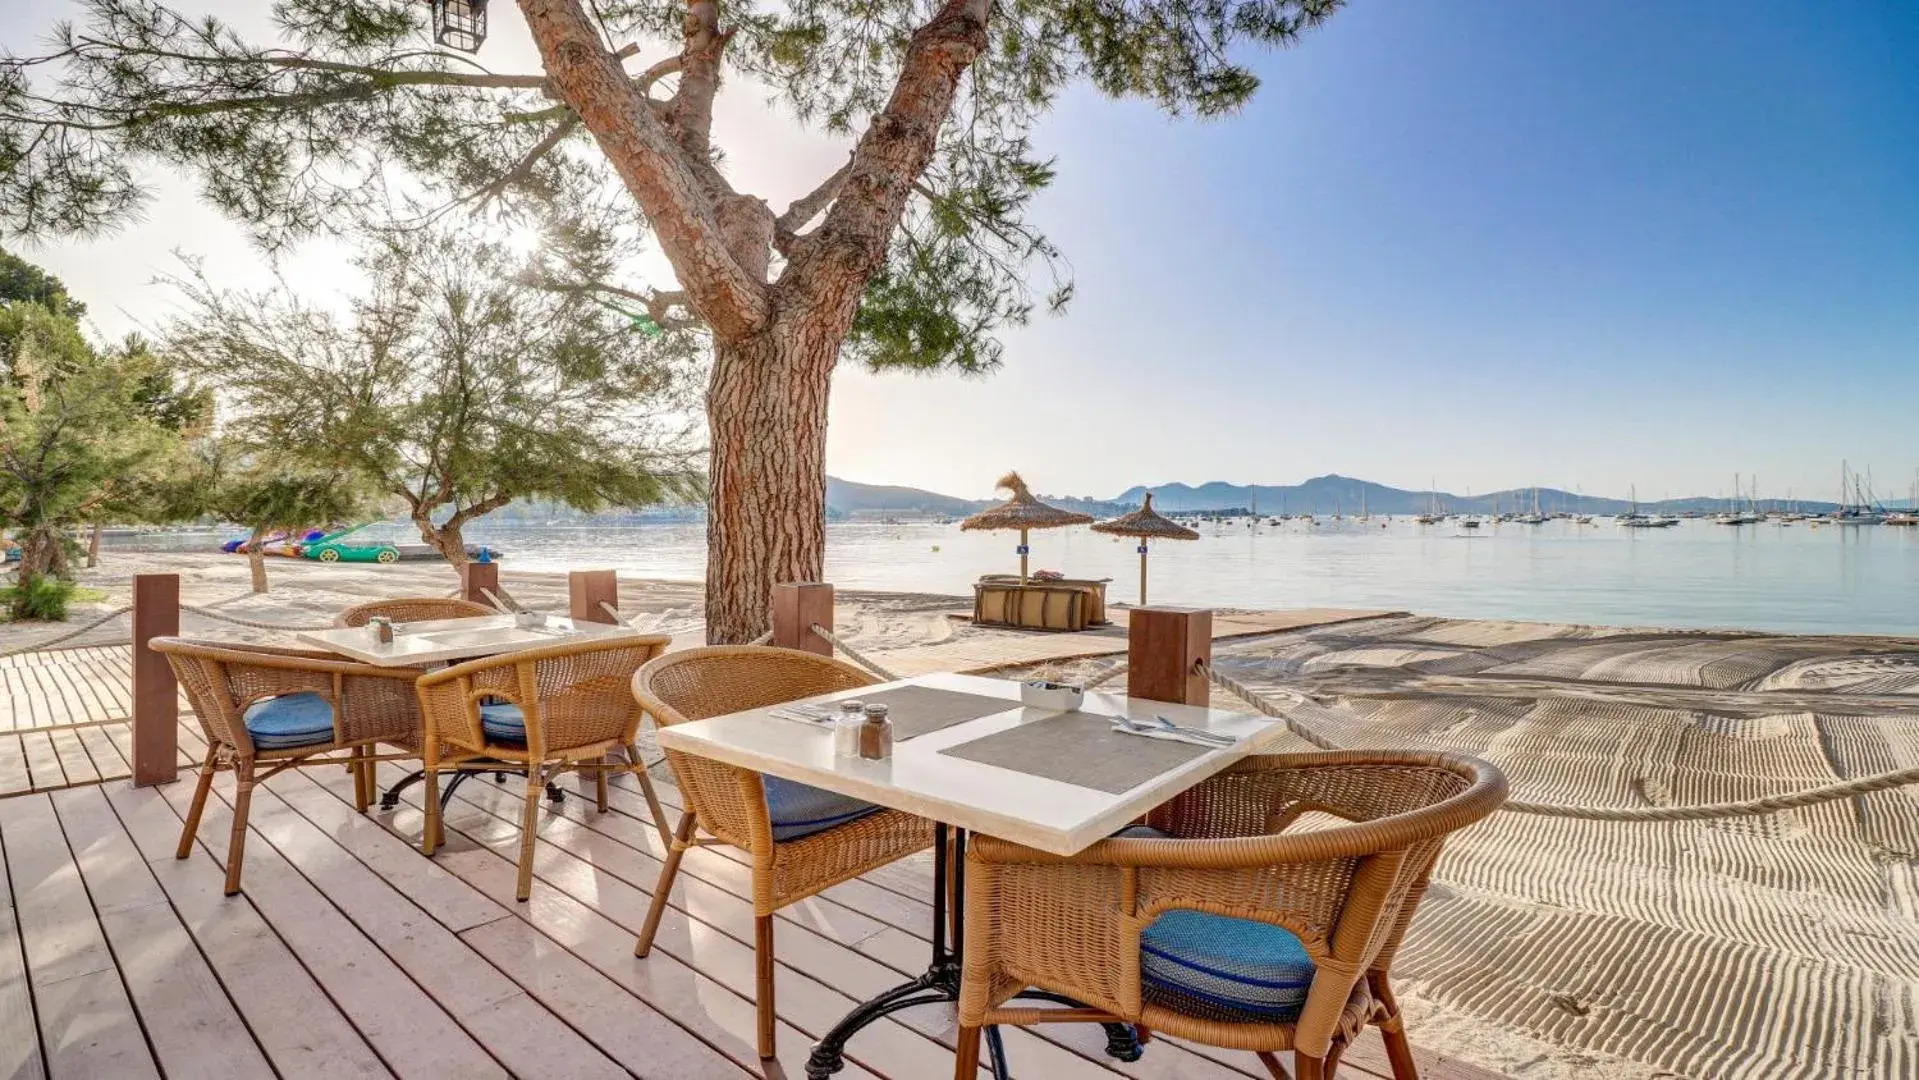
699 77
807 207
653 165
830 266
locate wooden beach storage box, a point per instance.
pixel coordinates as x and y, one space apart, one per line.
1033 606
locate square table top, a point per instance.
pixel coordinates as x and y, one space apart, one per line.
435 640
1047 814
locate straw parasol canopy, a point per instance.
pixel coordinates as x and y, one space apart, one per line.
1147 524
1022 512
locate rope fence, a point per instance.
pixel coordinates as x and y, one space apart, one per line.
1771 804
48 644
251 624
854 654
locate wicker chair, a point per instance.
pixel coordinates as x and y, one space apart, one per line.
541 711
264 710
1093 926
407 609
820 840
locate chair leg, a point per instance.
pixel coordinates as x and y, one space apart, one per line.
1312 1068
362 781
966 1054
763 965
599 784
242 801
638 765
675 851
200 790
1392 1029
432 834
529 829
1274 1065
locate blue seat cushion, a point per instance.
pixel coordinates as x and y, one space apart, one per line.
1250 969
503 722
290 720
800 810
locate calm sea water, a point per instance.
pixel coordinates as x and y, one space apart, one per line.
1829 579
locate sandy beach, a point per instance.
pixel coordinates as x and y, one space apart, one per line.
1780 946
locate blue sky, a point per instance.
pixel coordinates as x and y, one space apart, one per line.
1498 243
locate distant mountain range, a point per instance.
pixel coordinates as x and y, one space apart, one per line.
1321 495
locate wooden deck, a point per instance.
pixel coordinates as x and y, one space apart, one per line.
350 954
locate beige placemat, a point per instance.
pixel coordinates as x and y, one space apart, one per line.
1079 748
922 710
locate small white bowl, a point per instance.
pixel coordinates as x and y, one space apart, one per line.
529 620
1058 697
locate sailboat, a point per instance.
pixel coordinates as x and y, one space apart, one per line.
1736 516
1535 517
1633 519
1851 512
1432 516
1910 515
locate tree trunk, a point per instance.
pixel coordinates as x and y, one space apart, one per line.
766 512
449 539
41 553
93 546
257 560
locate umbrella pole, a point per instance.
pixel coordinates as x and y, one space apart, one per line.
1142 571
1022 556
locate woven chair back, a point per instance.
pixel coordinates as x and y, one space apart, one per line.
406 609
571 696
716 680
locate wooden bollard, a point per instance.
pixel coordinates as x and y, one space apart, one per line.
475 576
1164 649
156 696
797 606
587 589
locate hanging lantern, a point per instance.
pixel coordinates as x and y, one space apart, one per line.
459 24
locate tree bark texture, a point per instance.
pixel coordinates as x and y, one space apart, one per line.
93 546
766 510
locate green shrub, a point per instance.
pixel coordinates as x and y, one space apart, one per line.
40 598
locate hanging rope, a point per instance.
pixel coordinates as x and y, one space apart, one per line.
1770 804
507 606
49 643
1105 677
853 654
251 624
763 639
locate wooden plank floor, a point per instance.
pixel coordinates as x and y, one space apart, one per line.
350 954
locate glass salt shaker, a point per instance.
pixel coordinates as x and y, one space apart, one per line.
846 729
876 734
382 628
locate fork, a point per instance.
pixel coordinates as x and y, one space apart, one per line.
1166 727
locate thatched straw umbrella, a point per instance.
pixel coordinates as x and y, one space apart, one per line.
1147 524
1022 512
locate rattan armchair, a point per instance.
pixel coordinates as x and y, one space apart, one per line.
265 710
1249 845
405 609
543 711
817 841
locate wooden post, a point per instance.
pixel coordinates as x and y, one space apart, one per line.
587 589
1023 549
1164 646
475 576
796 607
1142 571
156 701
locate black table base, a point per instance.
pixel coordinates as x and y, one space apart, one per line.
390 798
941 982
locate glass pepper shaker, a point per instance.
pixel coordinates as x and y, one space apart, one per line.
382 628
876 734
846 729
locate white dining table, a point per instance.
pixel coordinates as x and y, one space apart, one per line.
434 641
963 796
